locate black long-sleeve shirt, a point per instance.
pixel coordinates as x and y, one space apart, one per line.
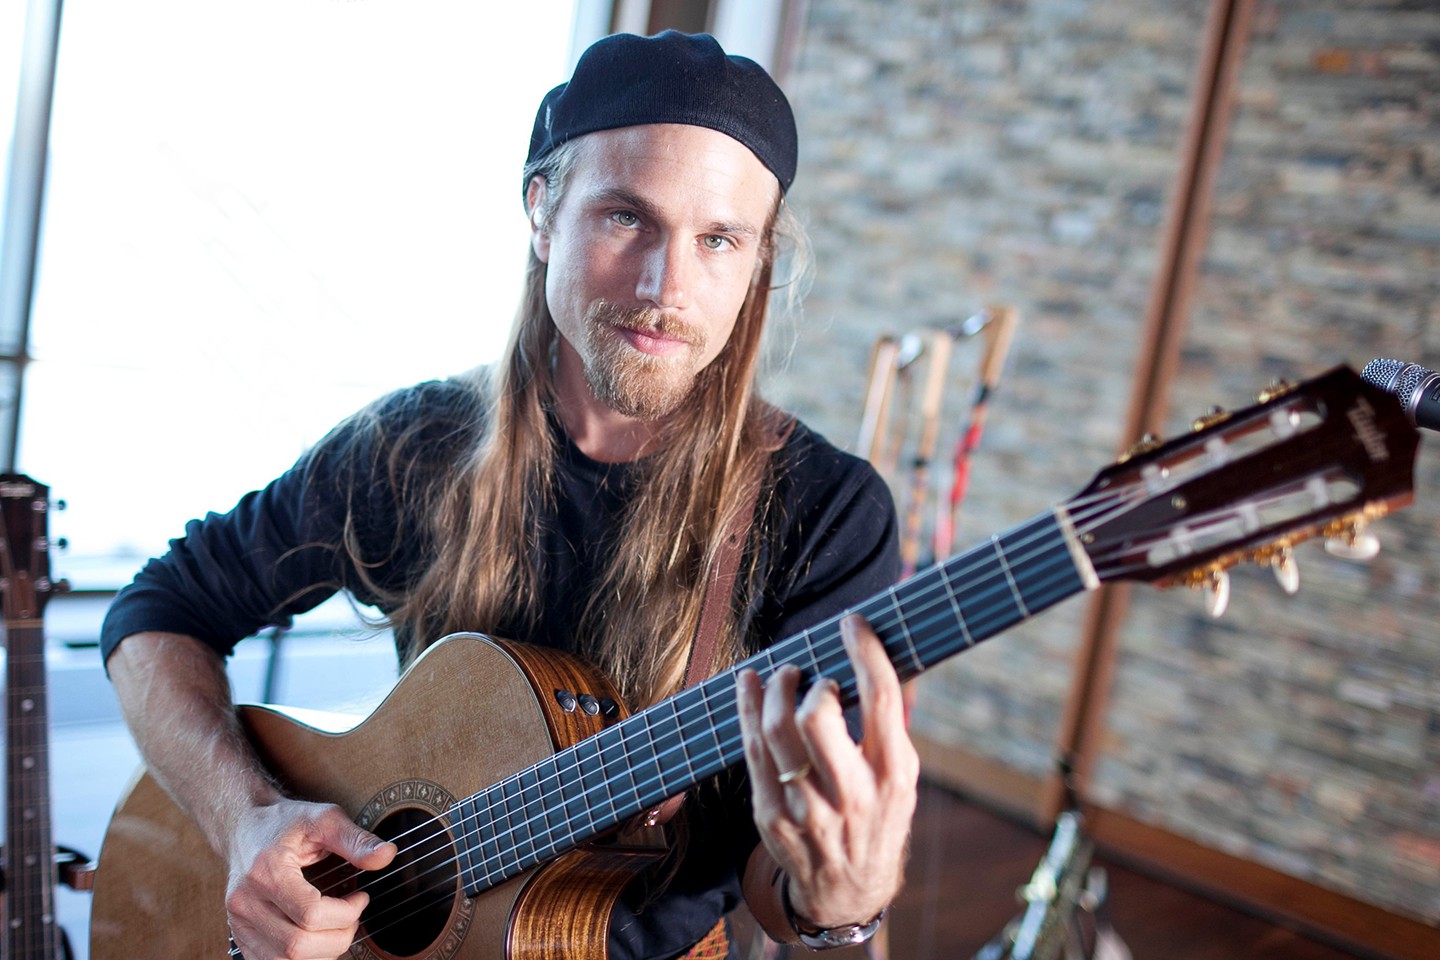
830 543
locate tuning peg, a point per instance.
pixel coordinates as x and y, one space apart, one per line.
1286 570
1217 598
1145 444
1213 416
1353 543
1277 389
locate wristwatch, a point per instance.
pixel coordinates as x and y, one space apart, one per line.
827 938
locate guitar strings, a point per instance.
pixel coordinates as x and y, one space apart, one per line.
956 574
915 608
730 724
678 716
730 740
1106 505
706 697
542 786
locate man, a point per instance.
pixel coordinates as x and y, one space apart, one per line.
577 495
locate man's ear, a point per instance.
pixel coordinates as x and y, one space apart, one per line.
535 203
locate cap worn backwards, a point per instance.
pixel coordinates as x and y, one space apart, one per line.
625 81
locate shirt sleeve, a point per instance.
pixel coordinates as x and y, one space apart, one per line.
274 555
837 546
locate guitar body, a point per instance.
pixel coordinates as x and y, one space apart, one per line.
469 713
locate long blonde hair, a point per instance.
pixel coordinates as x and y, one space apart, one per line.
484 518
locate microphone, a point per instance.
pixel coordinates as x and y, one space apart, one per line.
1416 387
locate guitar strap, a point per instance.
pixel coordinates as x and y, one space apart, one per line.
719 593
720 588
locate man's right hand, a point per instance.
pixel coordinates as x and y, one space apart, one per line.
176 699
274 912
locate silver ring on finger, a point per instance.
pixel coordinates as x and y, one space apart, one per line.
799 773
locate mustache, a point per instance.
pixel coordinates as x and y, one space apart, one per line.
644 320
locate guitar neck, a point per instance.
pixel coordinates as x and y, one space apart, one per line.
633 766
31 932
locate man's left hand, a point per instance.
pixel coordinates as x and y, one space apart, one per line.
833 814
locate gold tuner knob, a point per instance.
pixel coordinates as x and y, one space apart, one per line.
1211 417
1277 389
1144 445
1353 543
1217 598
1287 572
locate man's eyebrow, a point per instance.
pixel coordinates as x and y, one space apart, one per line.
621 197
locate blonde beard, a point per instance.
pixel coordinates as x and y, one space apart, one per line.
630 382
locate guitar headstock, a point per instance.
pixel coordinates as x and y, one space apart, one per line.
24 547
1319 459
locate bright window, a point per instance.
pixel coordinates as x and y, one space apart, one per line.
260 216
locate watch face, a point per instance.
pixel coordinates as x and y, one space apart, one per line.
839 936
817 939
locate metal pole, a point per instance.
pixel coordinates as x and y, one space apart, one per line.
24 202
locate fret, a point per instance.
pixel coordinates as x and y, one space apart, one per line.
958 611
509 818
650 766
697 721
471 832
463 825
1009 576
625 778
1048 573
591 774
670 748
529 826
808 651
914 656
575 803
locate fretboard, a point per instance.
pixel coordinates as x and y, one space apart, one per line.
607 779
31 932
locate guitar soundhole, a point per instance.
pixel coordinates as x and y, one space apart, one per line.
412 900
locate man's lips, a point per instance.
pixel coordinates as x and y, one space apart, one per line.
653 341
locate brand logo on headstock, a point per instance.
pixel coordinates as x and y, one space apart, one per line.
1362 418
17 489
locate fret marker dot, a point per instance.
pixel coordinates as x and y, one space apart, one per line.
27 704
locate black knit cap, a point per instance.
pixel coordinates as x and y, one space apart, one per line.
625 81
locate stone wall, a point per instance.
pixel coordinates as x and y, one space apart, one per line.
956 154
959 154
1304 732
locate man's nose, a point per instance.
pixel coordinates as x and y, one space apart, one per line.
666 274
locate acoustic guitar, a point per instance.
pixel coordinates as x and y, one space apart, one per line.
504 772
32 863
